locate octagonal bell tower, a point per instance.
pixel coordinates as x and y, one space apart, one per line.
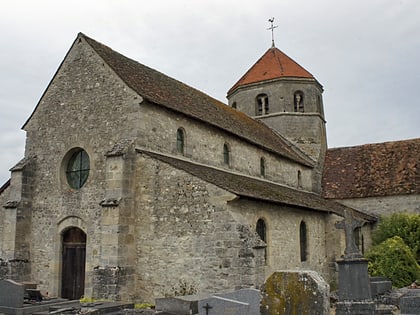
279 92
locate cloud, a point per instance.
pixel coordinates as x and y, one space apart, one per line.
364 53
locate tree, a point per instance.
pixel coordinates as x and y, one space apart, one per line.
404 225
393 259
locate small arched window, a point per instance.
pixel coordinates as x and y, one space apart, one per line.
299 179
303 239
180 141
262 167
234 105
262 107
261 230
226 154
298 100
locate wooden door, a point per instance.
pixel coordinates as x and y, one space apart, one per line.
73 264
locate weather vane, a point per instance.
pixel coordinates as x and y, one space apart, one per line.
272 27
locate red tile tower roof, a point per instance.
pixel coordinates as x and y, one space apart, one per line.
274 64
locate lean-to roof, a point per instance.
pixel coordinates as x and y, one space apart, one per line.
257 189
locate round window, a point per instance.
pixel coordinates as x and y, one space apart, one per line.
78 169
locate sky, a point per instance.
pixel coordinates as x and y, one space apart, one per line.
364 53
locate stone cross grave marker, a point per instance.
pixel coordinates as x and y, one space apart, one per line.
217 305
349 224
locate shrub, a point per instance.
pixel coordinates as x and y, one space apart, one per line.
404 225
183 288
393 259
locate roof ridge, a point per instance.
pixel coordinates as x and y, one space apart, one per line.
376 143
166 91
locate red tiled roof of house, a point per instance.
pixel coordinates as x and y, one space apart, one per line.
162 90
381 169
274 64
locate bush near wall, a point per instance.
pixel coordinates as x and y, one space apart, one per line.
404 225
393 259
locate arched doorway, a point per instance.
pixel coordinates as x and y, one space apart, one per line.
73 262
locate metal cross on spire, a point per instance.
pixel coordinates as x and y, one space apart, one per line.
272 27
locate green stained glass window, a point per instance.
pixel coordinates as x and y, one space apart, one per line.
78 169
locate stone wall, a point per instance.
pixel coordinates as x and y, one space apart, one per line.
283 241
4 197
280 95
17 270
305 129
386 205
204 144
184 231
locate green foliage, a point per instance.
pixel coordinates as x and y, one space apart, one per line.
92 300
143 306
86 300
183 288
404 225
393 259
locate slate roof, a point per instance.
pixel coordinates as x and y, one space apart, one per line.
381 169
274 64
162 90
258 189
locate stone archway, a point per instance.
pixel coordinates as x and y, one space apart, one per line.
73 263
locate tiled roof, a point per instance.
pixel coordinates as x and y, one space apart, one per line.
162 90
258 189
274 64
381 169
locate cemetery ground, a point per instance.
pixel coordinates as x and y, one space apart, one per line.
285 292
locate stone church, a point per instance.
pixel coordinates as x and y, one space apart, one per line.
132 181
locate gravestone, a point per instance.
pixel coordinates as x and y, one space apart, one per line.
295 292
217 305
11 293
246 301
249 295
353 280
410 302
380 286
187 304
